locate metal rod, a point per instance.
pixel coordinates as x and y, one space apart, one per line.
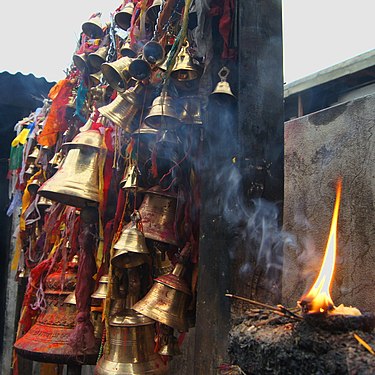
256 303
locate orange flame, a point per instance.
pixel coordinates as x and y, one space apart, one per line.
318 298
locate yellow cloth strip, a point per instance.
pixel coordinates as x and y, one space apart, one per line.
17 253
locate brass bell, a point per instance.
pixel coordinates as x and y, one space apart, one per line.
80 61
222 89
33 155
130 181
144 130
97 58
167 300
96 78
170 347
93 27
56 159
31 170
124 16
44 203
117 73
162 113
131 249
153 53
163 265
140 69
158 210
190 110
47 340
89 138
71 299
35 184
101 291
184 69
122 110
153 10
127 51
76 183
131 347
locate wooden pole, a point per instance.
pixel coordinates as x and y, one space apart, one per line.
247 142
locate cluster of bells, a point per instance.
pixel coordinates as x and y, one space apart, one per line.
132 321
75 182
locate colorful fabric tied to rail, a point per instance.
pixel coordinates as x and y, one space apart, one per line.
106 178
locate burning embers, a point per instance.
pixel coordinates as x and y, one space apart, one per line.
318 299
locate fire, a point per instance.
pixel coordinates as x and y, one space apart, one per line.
318 299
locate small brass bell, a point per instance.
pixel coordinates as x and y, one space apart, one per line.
35 184
97 58
122 110
167 300
131 249
222 89
33 155
44 203
158 210
190 110
124 16
93 27
31 170
76 183
117 73
162 113
80 61
170 347
153 10
127 51
184 69
130 181
140 69
153 53
96 78
56 159
71 299
101 291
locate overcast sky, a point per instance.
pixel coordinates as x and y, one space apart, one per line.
40 36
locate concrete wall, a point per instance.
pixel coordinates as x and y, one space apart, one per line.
320 147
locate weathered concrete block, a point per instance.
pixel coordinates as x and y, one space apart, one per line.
319 148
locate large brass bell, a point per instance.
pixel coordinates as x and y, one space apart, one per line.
158 210
47 340
93 27
162 113
222 89
117 73
131 346
122 110
101 291
76 183
184 69
97 58
124 16
130 249
167 300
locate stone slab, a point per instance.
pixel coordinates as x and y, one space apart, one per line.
320 148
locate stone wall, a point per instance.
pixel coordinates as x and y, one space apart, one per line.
320 148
